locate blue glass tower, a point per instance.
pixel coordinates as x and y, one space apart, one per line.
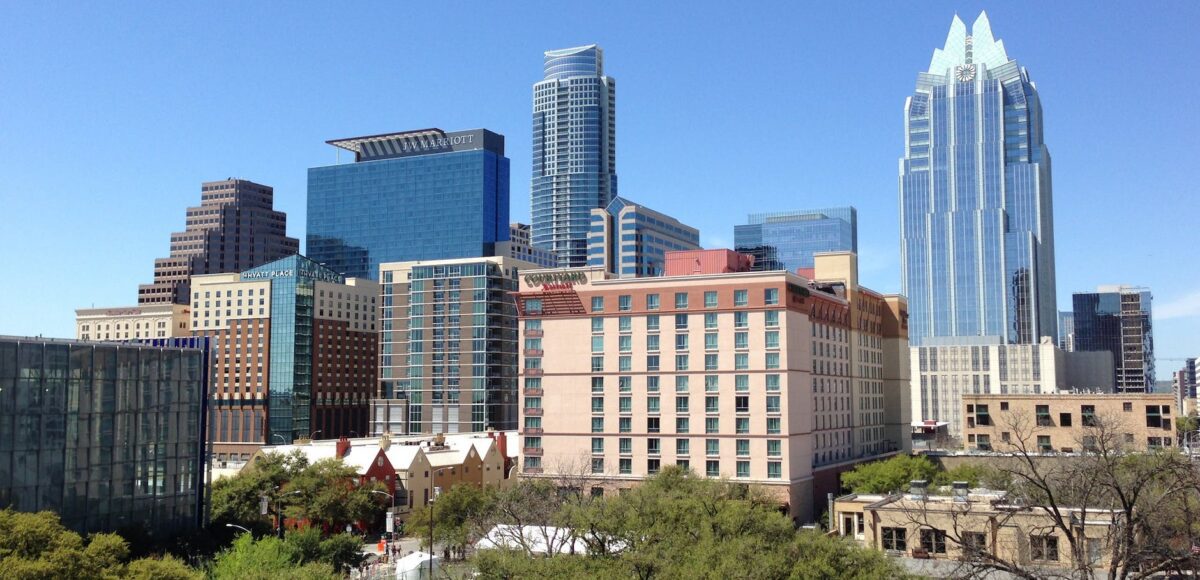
574 150
787 240
976 219
631 240
418 195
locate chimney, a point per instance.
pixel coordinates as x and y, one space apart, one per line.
439 439
916 488
343 446
960 490
385 441
502 446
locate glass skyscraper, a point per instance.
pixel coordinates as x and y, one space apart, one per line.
108 435
787 240
574 150
1117 319
418 195
632 240
976 219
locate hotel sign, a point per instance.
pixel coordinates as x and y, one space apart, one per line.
556 280
306 271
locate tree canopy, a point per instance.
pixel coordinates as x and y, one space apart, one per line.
890 475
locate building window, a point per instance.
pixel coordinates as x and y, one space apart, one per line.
710 362
741 340
681 384
771 296
681 405
772 339
933 541
741 361
743 447
772 383
653 424
652 323
743 469
712 383
654 446
712 425
710 341
1153 416
1043 548
597 364
740 297
652 466
741 319
682 424
774 448
774 470
712 468
652 342
772 318
625 384
598 465
624 363
1043 416
1064 420
773 425
597 344
681 341
682 447
625 324
681 322
624 343
597 384
974 544
533 305
1127 407
626 465
625 303
710 299
597 424
710 320
652 302
597 304
1043 442
741 425
1087 415
626 404
895 539
741 404
711 404
681 362
772 360
597 446
772 403
597 404
741 383
625 445
625 425
681 300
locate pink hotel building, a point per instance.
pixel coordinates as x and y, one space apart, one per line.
767 378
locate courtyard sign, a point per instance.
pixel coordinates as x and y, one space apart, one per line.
556 280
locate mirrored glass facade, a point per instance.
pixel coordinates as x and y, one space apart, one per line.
574 150
977 239
632 240
107 435
787 240
421 195
1117 319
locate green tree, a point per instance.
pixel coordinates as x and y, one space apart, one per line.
975 474
266 559
889 475
329 495
458 514
342 551
816 556
1185 425
235 500
165 568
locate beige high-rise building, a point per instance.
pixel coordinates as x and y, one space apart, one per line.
132 322
762 377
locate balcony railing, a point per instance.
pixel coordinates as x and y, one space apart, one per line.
533 352
533 372
533 392
532 470
534 332
532 451
531 431
534 411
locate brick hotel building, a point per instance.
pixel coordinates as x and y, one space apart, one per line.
762 377
294 351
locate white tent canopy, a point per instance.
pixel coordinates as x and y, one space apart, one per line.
415 566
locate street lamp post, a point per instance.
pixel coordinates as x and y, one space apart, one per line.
433 492
313 436
281 438
238 527
391 512
279 509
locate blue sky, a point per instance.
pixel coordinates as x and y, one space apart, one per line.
111 114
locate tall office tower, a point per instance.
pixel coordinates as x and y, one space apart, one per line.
632 240
1189 378
107 435
787 240
1117 319
520 247
789 381
417 195
574 150
235 228
295 347
449 344
1066 330
976 222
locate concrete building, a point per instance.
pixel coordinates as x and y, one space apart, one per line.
520 247
944 370
632 240
1117 319
763 377
295 353
107 435
969 524
1067 422
133 322
234 228
788 240
448 346
427 194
